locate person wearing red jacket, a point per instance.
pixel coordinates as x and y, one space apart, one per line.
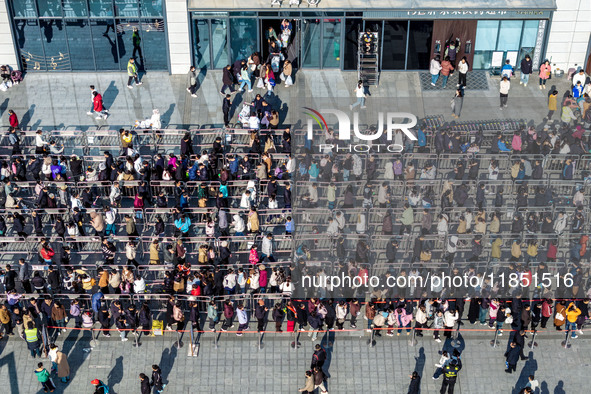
46 253
13 120
98 105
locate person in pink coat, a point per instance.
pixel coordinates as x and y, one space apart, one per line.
545 71
402 319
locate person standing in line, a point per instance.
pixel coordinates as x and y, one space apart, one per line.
92 90
261 313
32 339
226 106
552 100
192 79
44 377
434 69
157 379
132 73
227 80
446 69
545 71
463 71
505 85
526 70
458 102
242 320
145 387
360 94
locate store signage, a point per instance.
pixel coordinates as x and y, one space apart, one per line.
459 14
539 43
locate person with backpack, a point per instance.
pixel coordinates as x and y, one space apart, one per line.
100 387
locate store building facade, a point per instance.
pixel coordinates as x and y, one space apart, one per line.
169 35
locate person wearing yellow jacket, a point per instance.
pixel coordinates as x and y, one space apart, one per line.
132 73
572 313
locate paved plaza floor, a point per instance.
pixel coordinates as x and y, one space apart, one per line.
62 100
238 366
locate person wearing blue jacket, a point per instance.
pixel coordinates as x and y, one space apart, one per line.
501 144
183 224
96 301
578 90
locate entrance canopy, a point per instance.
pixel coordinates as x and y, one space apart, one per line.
360 5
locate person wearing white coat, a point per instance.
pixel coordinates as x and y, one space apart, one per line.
450 317
238 224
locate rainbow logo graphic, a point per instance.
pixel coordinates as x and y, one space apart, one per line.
317 117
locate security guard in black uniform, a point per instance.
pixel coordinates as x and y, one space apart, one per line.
451 374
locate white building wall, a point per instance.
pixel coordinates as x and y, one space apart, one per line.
7 50
569 34
179 40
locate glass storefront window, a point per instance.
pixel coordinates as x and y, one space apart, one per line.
125 43
419 45
486 35
28 39
100 8
201 44
394 47
75 8
50 8
24 9
482 60
55 44
219 42
509 36
105 44
530 33
331 45
78 41
154 40
126 8
311 43
243 38
151 7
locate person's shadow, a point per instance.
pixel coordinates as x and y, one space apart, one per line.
529 368
110 94
328 343
544 388
116 374
26 118
559 389
235 104
3 106
420 361
167 361
165 118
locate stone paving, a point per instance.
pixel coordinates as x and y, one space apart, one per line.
62 100
237 365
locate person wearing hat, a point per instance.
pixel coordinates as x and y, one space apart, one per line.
99 387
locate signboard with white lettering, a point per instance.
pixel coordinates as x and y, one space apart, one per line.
537 59
458 14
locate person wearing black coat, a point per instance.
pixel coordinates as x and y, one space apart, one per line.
302 317
415 383
105 320
278 315
391 249
226 106
526 70
34 168
145 387
144 317
187 145
19 225
261 315
331 314
157 379
227 80
131 318
512 356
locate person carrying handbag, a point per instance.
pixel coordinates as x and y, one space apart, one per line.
360 94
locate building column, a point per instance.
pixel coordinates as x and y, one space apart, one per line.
179 39
7 48
569 34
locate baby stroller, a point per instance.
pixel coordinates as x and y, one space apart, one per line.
244 115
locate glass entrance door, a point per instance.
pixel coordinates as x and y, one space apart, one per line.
219 43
